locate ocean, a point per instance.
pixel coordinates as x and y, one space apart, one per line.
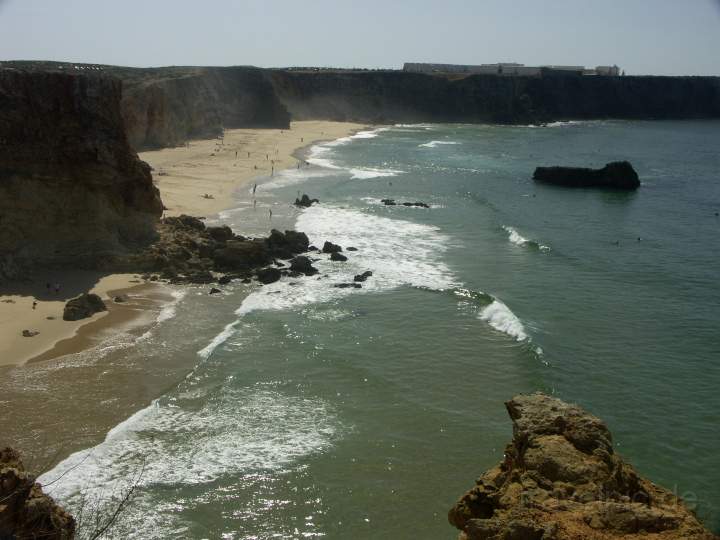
303 410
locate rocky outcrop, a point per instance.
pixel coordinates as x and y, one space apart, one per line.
25 511
72 191
561 479
615 175
84 306
189 252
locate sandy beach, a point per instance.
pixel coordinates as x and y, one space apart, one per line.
204 177
200 179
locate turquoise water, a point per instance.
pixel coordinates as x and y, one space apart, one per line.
317 411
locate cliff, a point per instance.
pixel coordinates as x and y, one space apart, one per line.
25 511
396 96
72 190
561 479
167 106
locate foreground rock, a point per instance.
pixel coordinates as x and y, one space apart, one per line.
561 480
25 511
84 306
616 175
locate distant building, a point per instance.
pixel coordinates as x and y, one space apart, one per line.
509 69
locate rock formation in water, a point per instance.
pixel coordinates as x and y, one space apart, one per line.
72 191
615 175
561 479
25 511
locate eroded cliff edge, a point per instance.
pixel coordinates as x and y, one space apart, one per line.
561 479
72 190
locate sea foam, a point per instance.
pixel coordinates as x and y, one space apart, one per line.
435 144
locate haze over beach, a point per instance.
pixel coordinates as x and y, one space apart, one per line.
359 270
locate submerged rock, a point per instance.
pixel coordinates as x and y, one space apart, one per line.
84 306
329 247
305 201
616 175
303 265
388 202
347 286
418 204
561 480
363 276
268 275
214 290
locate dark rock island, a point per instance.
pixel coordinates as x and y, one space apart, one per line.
561 479
615 175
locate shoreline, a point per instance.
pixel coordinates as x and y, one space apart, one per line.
184 175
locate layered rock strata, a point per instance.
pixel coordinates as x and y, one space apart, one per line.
72 190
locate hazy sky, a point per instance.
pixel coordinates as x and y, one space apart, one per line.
642 36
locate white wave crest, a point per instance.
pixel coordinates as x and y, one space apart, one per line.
397 252
180 443
519 240
435 144
501 318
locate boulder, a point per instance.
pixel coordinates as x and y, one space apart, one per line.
214 290
335 256
615 175
201 277
224 280
84 306
30 333
329 247
305 201
388 202
121 298
347 286
303 265
363 276
287 245
561 479
352 248
185 222
268 275
241 254
220 234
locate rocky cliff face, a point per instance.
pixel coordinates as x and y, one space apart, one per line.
72 190
393 96
168 106
561 479
25 511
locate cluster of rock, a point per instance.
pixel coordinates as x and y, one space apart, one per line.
187 251
615 175
561 480
25 511
391 202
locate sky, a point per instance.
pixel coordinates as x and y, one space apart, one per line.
662 37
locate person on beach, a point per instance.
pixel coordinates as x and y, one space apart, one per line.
254 189
272 171
34 304
254 204
235 154
248 155
270 210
